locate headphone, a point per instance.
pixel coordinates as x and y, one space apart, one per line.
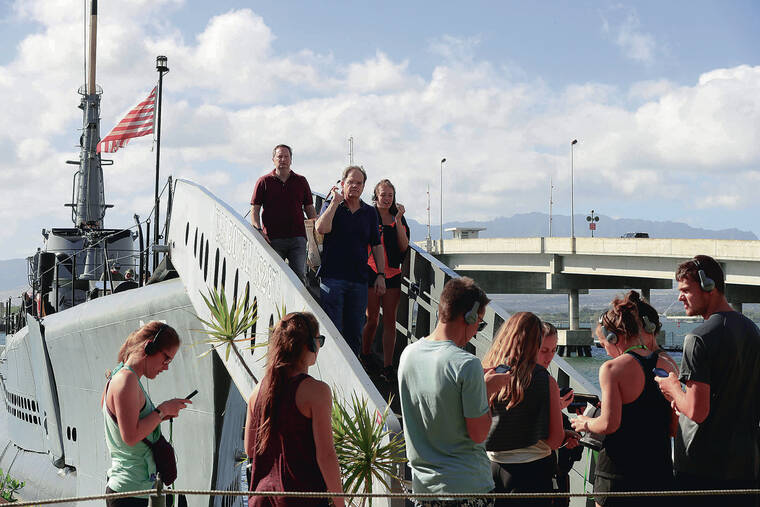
611 337
649 326
313 336
150 346
471 317
707 283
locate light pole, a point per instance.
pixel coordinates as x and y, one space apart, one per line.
592 220
442 161
162 69
572 202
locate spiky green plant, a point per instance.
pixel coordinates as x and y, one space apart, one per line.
227 323
9 487
366 450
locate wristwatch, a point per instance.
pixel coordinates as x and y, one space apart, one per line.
258 228
380 273
158 411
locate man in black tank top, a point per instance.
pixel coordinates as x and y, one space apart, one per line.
717 442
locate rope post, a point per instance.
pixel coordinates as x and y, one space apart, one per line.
159 499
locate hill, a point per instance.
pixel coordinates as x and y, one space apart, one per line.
525 225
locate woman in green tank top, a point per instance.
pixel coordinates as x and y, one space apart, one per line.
129 413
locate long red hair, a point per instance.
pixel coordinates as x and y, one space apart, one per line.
516 344
289 339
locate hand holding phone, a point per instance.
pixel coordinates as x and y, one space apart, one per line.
502 368
659 372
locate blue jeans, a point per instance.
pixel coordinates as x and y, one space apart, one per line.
294 250
346 304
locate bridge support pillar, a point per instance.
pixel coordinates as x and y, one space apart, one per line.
573 302
737 307
574 339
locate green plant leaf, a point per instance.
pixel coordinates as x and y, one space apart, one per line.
365 449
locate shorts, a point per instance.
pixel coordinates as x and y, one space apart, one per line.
393 282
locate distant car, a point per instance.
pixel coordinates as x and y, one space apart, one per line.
635 235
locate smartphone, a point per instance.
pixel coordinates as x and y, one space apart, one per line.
563 392
660 372
580 400
191 394
502 368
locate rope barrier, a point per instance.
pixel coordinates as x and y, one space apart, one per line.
420 496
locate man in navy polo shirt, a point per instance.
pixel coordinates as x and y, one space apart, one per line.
285 196
349 225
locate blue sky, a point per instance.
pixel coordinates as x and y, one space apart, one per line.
664 98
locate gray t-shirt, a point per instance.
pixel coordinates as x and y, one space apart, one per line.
723 352
440 385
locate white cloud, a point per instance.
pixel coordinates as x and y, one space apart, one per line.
380 74
231 96
627 34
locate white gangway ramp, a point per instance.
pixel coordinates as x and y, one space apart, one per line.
211 245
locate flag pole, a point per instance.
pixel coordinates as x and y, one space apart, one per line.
162 69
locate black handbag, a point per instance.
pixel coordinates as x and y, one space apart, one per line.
163 455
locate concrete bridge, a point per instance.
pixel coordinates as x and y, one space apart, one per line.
574 265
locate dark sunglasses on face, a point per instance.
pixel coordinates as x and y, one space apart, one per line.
321 340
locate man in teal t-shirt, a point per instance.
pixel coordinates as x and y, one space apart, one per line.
444 401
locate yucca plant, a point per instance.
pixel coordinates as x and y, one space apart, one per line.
360 442
227 323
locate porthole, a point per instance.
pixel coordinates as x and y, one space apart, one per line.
216 269
187 232
195 243
224 272
200 254
205 263
234 290
34 406
74 434
68 432
254 313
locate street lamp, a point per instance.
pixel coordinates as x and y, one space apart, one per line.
592 220
442 161
162 68
572 202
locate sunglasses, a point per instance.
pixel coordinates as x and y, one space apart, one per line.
320 339
482 325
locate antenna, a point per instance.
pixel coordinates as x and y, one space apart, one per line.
351 150
428 240
551 202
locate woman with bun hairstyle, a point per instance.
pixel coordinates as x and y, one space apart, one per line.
394 235
129 414
288 427
635 417
527 421
650 327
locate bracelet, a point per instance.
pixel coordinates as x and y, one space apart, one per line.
158 411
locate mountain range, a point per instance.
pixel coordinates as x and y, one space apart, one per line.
527 225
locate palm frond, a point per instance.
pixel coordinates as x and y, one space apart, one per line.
366 450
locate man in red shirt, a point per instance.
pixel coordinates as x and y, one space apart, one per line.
285 196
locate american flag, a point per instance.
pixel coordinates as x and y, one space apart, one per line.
138 122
